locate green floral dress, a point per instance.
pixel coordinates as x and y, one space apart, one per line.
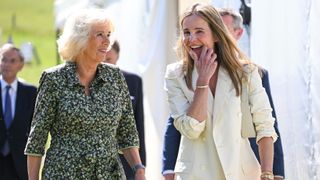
87 131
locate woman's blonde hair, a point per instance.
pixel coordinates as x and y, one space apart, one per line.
75 36
228 54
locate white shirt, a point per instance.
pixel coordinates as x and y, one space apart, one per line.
12 92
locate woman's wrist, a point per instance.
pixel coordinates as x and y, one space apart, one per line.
267 175
202 82
202 86
138 168
140 171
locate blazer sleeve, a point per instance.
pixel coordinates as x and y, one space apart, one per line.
260 107
139 117
170 146
278 161
179 104
135 86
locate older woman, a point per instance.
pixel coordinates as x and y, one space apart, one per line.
204 91
86 107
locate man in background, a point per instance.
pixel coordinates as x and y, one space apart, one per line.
17 105
134 83
233 22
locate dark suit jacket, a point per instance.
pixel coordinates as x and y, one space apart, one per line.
172 139
18 132
134 83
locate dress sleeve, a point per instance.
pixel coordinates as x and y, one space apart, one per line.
260 107
127 134
43 117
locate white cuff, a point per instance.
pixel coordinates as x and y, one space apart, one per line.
167 172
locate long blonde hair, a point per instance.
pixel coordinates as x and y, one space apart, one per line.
228 54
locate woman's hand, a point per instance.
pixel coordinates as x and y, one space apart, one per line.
206 64
140 174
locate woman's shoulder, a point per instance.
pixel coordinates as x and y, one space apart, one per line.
58 68
174 70
59 73
108 69
248 66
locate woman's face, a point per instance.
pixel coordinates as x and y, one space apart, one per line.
98 43
197 34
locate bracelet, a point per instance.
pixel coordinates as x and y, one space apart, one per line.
137 166
267 175
202 87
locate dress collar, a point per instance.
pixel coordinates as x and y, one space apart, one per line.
101 74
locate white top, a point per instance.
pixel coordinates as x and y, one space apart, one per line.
12 92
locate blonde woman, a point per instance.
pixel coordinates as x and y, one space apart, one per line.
204 91
86 107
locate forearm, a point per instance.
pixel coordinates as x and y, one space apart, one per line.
266 154
198 107
33 163
133 158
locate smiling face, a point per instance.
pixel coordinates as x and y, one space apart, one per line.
196 34
98 43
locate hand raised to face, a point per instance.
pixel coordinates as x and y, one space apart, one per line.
205 64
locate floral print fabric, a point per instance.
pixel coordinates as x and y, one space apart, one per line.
87 131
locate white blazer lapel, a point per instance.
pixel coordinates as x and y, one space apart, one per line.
223 91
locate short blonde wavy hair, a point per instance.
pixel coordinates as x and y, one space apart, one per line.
75 36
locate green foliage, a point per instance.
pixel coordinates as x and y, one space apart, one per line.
34 22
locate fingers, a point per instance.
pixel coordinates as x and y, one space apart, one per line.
207 63
204 53
207 56
193 55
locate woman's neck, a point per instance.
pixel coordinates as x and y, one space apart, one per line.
86 72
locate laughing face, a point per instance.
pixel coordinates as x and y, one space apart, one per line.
197 34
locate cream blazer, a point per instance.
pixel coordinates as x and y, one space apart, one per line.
220 133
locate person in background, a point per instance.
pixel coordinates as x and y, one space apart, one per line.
17 105
233 21
85 105
204 99
134 83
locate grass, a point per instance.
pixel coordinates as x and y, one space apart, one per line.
34 22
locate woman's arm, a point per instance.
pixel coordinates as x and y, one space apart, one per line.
263 121
206 66
133 158
266 154
33 163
